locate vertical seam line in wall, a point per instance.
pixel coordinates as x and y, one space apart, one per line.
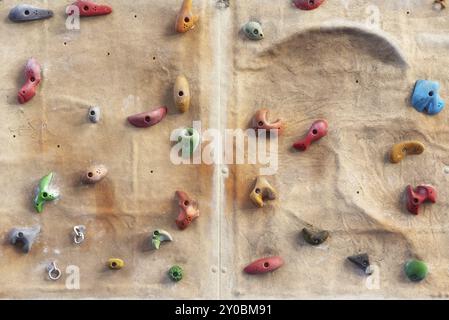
219 121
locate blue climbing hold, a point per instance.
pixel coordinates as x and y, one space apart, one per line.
426 98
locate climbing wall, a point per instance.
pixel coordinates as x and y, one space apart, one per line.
351 62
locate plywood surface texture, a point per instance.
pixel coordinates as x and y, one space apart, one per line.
352 62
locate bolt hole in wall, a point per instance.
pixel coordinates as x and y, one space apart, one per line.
59 146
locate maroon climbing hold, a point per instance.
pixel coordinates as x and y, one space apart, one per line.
316 132
264 265
188 210
32 80
149 118
308 4
89 8
419 195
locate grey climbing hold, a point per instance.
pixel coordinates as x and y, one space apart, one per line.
253 30
54 273
94 114
361 261
79 234
159 236
26 12
24 236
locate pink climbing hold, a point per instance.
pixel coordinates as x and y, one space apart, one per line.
89 8
32 80
308 4
419 195
149 118
264 265
318 130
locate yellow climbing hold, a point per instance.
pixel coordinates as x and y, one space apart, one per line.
181 94
115 263
400 150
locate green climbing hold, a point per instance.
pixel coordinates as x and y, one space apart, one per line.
416 270
45 192
190 139
175 273
253 30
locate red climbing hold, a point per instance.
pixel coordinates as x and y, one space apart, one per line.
32 80
89 8
149 118
419 195
308 4
316 132
264 265
188 210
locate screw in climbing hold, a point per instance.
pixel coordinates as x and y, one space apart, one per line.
186 20
264 265
426 98
26 12
307 4
181 94
160 236
401 149
115 264
318 130
260 122
90 9
32 81
253 30
315 236
188 210
176 273
419 195
189 139
24 236
149 118
262 191
94 114
362 261
416 270
45 192
94 174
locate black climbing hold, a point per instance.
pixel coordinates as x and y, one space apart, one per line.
314 236
361 261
